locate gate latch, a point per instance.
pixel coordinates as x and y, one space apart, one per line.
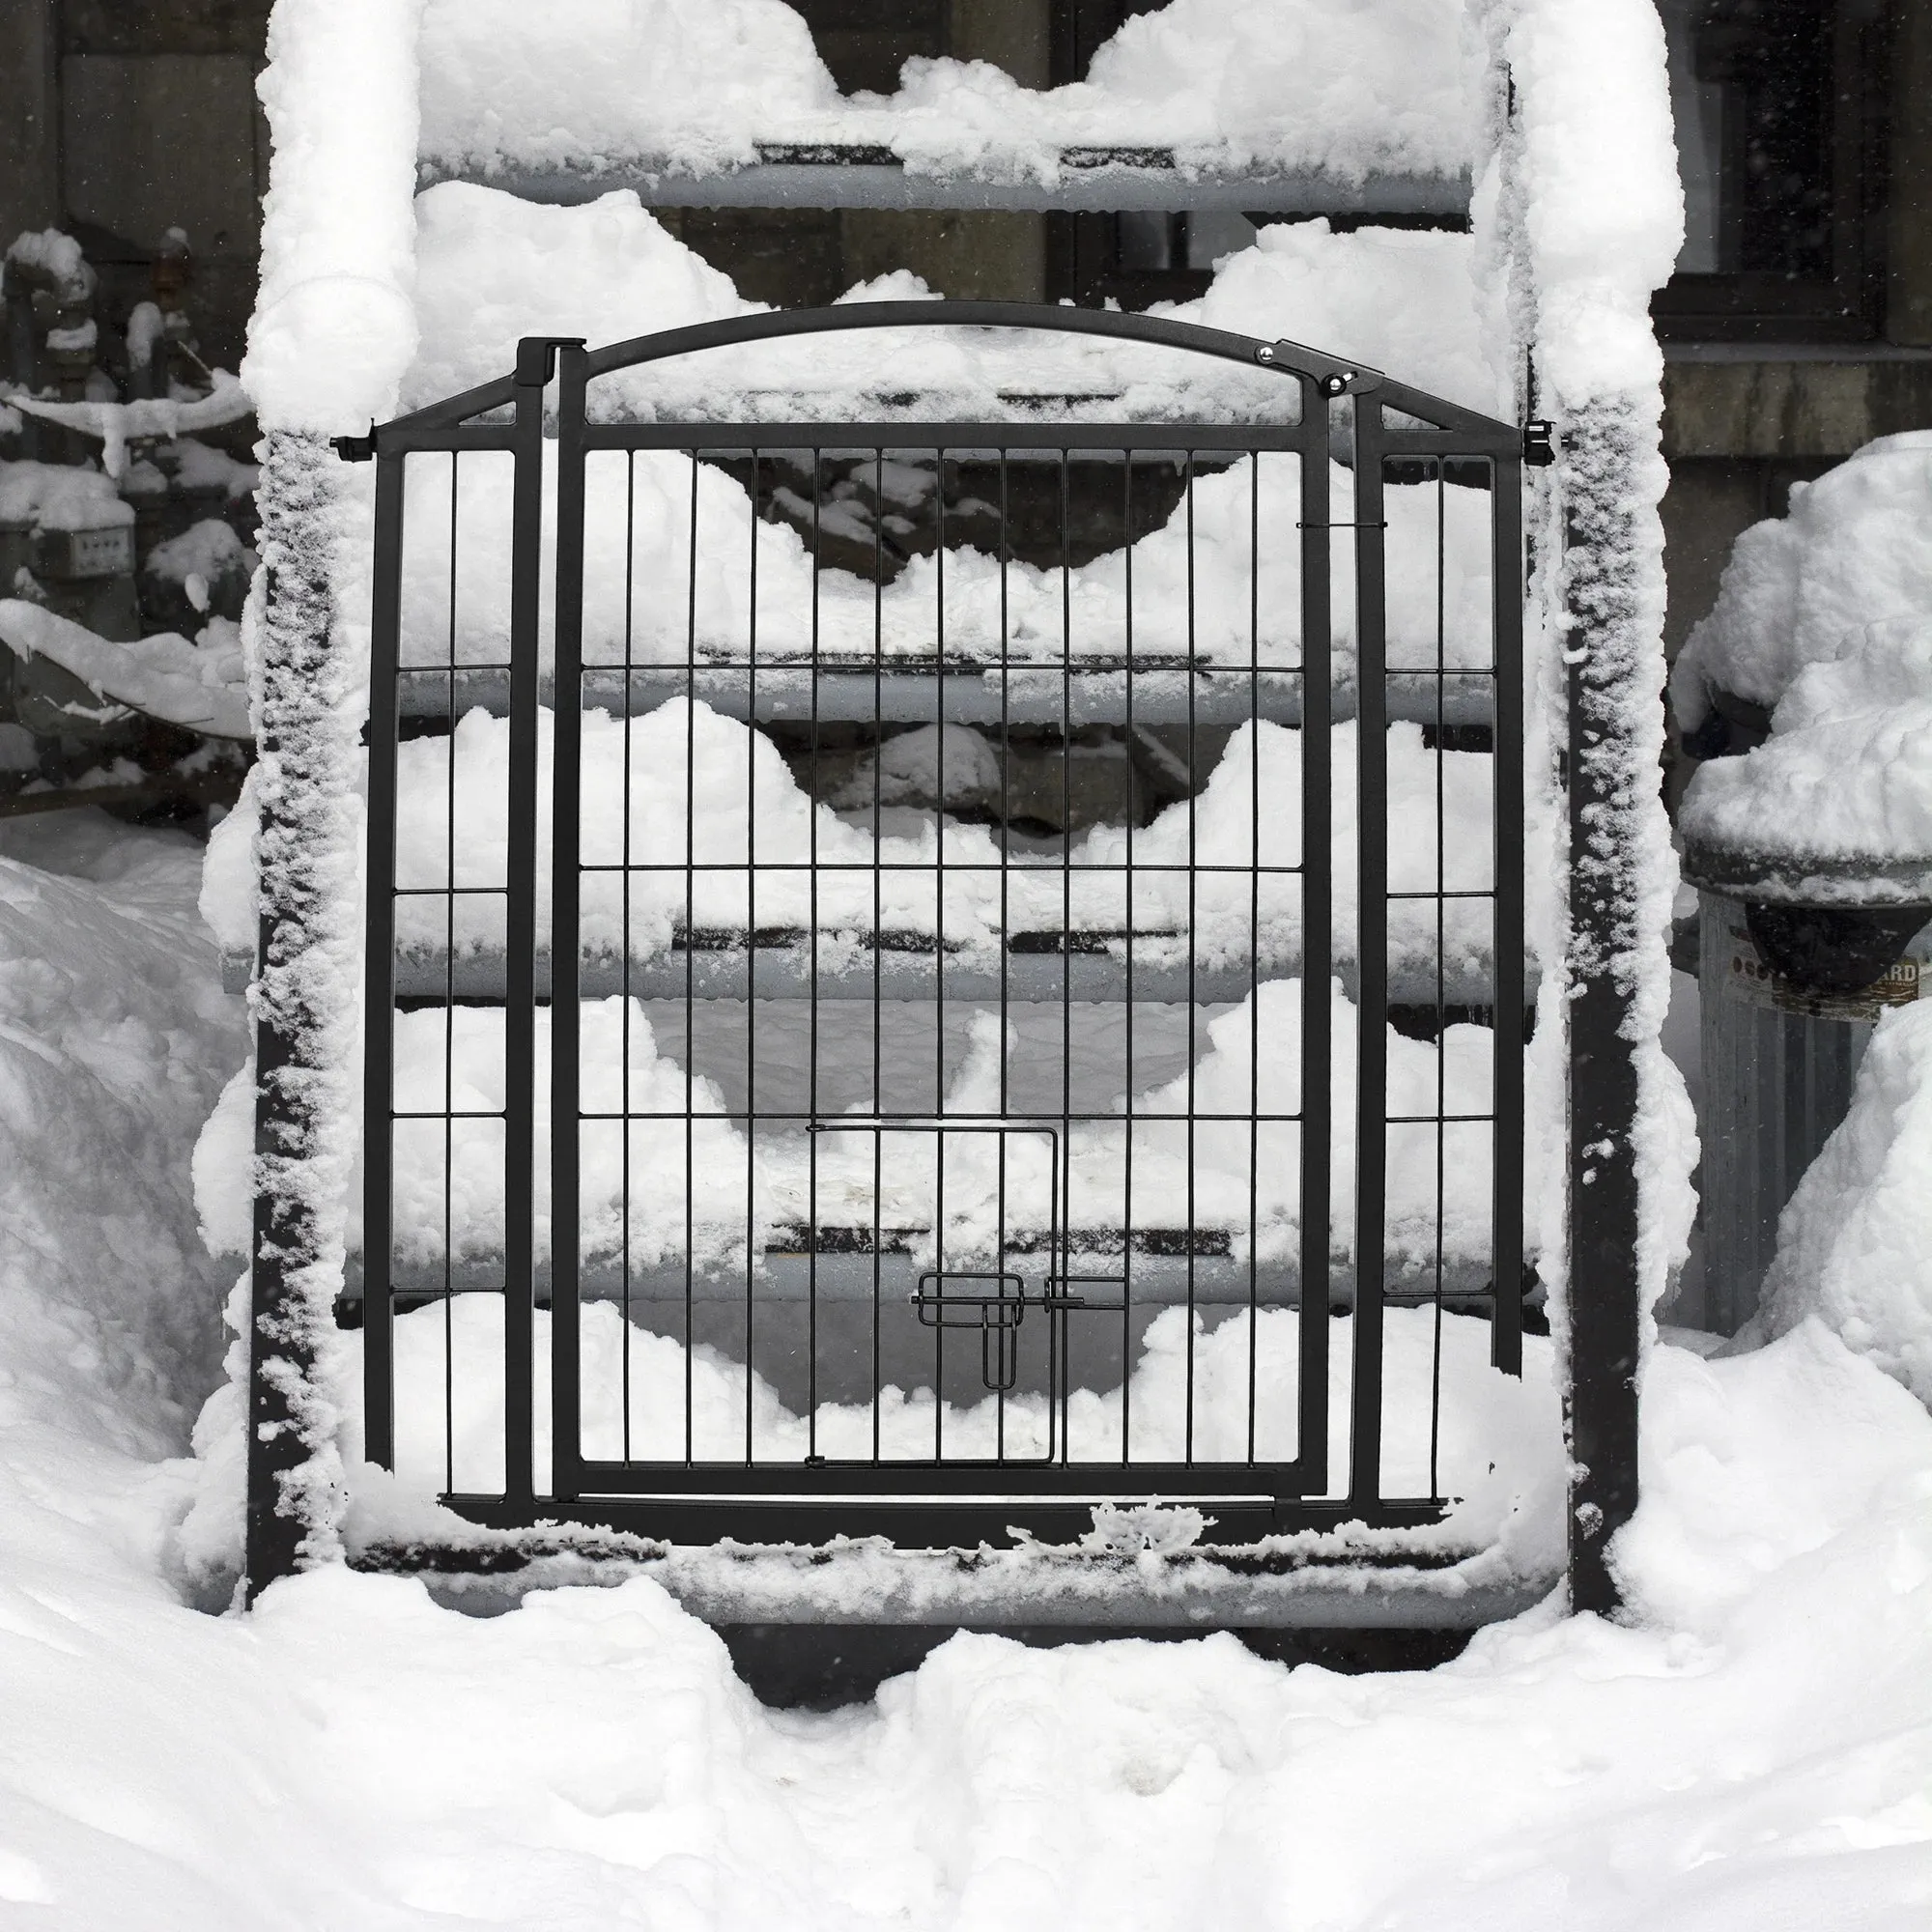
996 1307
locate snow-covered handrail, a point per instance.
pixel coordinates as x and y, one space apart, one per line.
118 424
164 676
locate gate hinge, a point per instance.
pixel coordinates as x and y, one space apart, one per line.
1335 379
536 357
356 448
1539 444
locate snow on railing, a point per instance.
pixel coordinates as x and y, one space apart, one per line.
159 418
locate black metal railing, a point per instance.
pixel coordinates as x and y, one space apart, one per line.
861 977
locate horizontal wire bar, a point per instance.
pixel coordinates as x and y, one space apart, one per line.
1047 867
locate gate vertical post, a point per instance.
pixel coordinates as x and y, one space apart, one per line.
1612 779
1315 1101
379 1011
535 359
567 828
304 857
1371 1125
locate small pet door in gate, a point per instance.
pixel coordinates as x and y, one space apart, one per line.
926 975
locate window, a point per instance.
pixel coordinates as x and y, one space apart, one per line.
1778 110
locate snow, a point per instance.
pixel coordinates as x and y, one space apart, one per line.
54 259
333 329
114 1040
1820 621
1580 218
59 496
207 559
199 465
1855 1241
1837 802
200 683
1605 215
1236 606
146 331
491 268
1800 590
1400 301
633 1186
683 88
751 815
118 424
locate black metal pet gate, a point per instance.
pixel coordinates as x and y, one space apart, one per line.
924 973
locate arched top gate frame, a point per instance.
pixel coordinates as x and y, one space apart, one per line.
1392 423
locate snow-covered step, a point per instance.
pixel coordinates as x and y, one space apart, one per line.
711 871
555 101
675 1169
680 571
1085 966
906 691
1164 1273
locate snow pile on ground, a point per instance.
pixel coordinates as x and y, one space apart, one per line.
1360 87
114 1040
1855 1241
1754 1752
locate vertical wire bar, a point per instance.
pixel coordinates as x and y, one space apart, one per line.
1064 1203
878 921
1127 922
378 1305
812 992
1317 1095
1441 1012
534 359
690 970
1006 870
566 893
1193 955
1254 938
999 1263
939 950
624 936
1372 949
1506 1125
449 1011
1006 776
751 960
